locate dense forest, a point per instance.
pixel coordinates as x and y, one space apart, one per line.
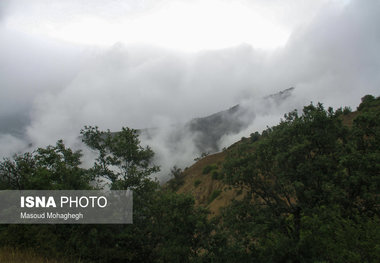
311 190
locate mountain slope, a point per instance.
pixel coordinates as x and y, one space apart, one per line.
205 133
205 185
210 129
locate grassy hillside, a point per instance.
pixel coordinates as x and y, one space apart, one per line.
208 187
305 190
202 186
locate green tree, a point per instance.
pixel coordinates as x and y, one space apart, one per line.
167 227
51 168
121 158
306 164
177 178
361 161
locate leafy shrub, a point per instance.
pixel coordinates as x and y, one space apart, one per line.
217 175
319 165
208 168
254 136
203 155
214 195
369 101
346 110
197 182
156 234
178 178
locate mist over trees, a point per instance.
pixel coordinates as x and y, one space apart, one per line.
167 227
312 195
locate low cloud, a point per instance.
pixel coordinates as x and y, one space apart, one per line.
333 59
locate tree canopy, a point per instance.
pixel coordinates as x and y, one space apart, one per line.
312 195
167 227
313 189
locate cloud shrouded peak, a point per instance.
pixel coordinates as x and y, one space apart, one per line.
54 83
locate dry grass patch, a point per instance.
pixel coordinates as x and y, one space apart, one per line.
13 255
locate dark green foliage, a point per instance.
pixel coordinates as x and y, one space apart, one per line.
197 182
178 178
122 150
214 195
166 226
314 189
369 101
55 167
50 168
255 136
215 175
208 168
179 229
203 155
346 110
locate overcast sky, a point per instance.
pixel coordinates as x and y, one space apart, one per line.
66 64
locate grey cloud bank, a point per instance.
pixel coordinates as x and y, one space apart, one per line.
59 87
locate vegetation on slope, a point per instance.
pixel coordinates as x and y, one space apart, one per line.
306 190
313 190
11 255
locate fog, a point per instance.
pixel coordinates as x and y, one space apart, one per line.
51 87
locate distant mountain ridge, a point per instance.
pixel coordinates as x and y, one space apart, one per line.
206 132
212 128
